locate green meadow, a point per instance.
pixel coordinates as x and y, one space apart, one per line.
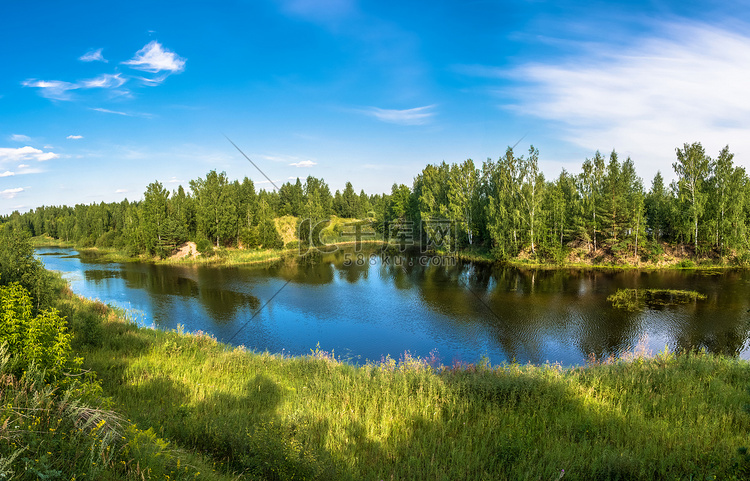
182 406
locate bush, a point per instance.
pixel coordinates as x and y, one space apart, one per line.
685 264
18 264
42 341
205 247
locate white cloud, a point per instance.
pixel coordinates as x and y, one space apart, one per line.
74 137
415 116
59 90
105 81
10 193
23 166
690 85
52 89
304 163
25 153
278 157
125 114
153 82
121 191
20 138
153 58
93 56
7 173
174 180
107 111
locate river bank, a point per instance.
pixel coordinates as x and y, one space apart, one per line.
669 257
248 415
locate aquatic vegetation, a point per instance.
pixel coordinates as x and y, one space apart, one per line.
637 299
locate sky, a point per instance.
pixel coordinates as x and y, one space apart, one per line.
97 100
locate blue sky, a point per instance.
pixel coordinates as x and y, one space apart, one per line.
98 100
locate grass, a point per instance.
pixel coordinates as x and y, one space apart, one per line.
636 299
246 415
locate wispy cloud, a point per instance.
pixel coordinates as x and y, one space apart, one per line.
59 90
277 157
121 191
52 89
689 85
304 163
174 180
415 116
105 81
151 58
93 56
10 193
107 111
7 173
125 114
74 137
154 58
25 153
25 170
20 138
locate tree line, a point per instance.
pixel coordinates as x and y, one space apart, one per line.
506 205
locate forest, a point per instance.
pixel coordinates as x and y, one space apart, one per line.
505 207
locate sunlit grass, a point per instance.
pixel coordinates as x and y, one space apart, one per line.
314 417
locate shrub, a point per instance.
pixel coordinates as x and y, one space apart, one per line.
205 247
18 264
685 264
42 341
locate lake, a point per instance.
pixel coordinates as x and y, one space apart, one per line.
388 304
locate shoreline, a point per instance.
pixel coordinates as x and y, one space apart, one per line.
241 257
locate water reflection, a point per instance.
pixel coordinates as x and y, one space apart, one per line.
381 304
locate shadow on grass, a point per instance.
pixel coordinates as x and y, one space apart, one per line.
493 424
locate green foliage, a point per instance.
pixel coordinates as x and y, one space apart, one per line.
216 213
505 206
636 299
18 264
205 247
268 236
685 264
42 341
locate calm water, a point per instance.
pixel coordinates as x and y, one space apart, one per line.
390 305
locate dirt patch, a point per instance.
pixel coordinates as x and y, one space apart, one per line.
188 249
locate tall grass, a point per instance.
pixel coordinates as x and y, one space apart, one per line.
273 417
